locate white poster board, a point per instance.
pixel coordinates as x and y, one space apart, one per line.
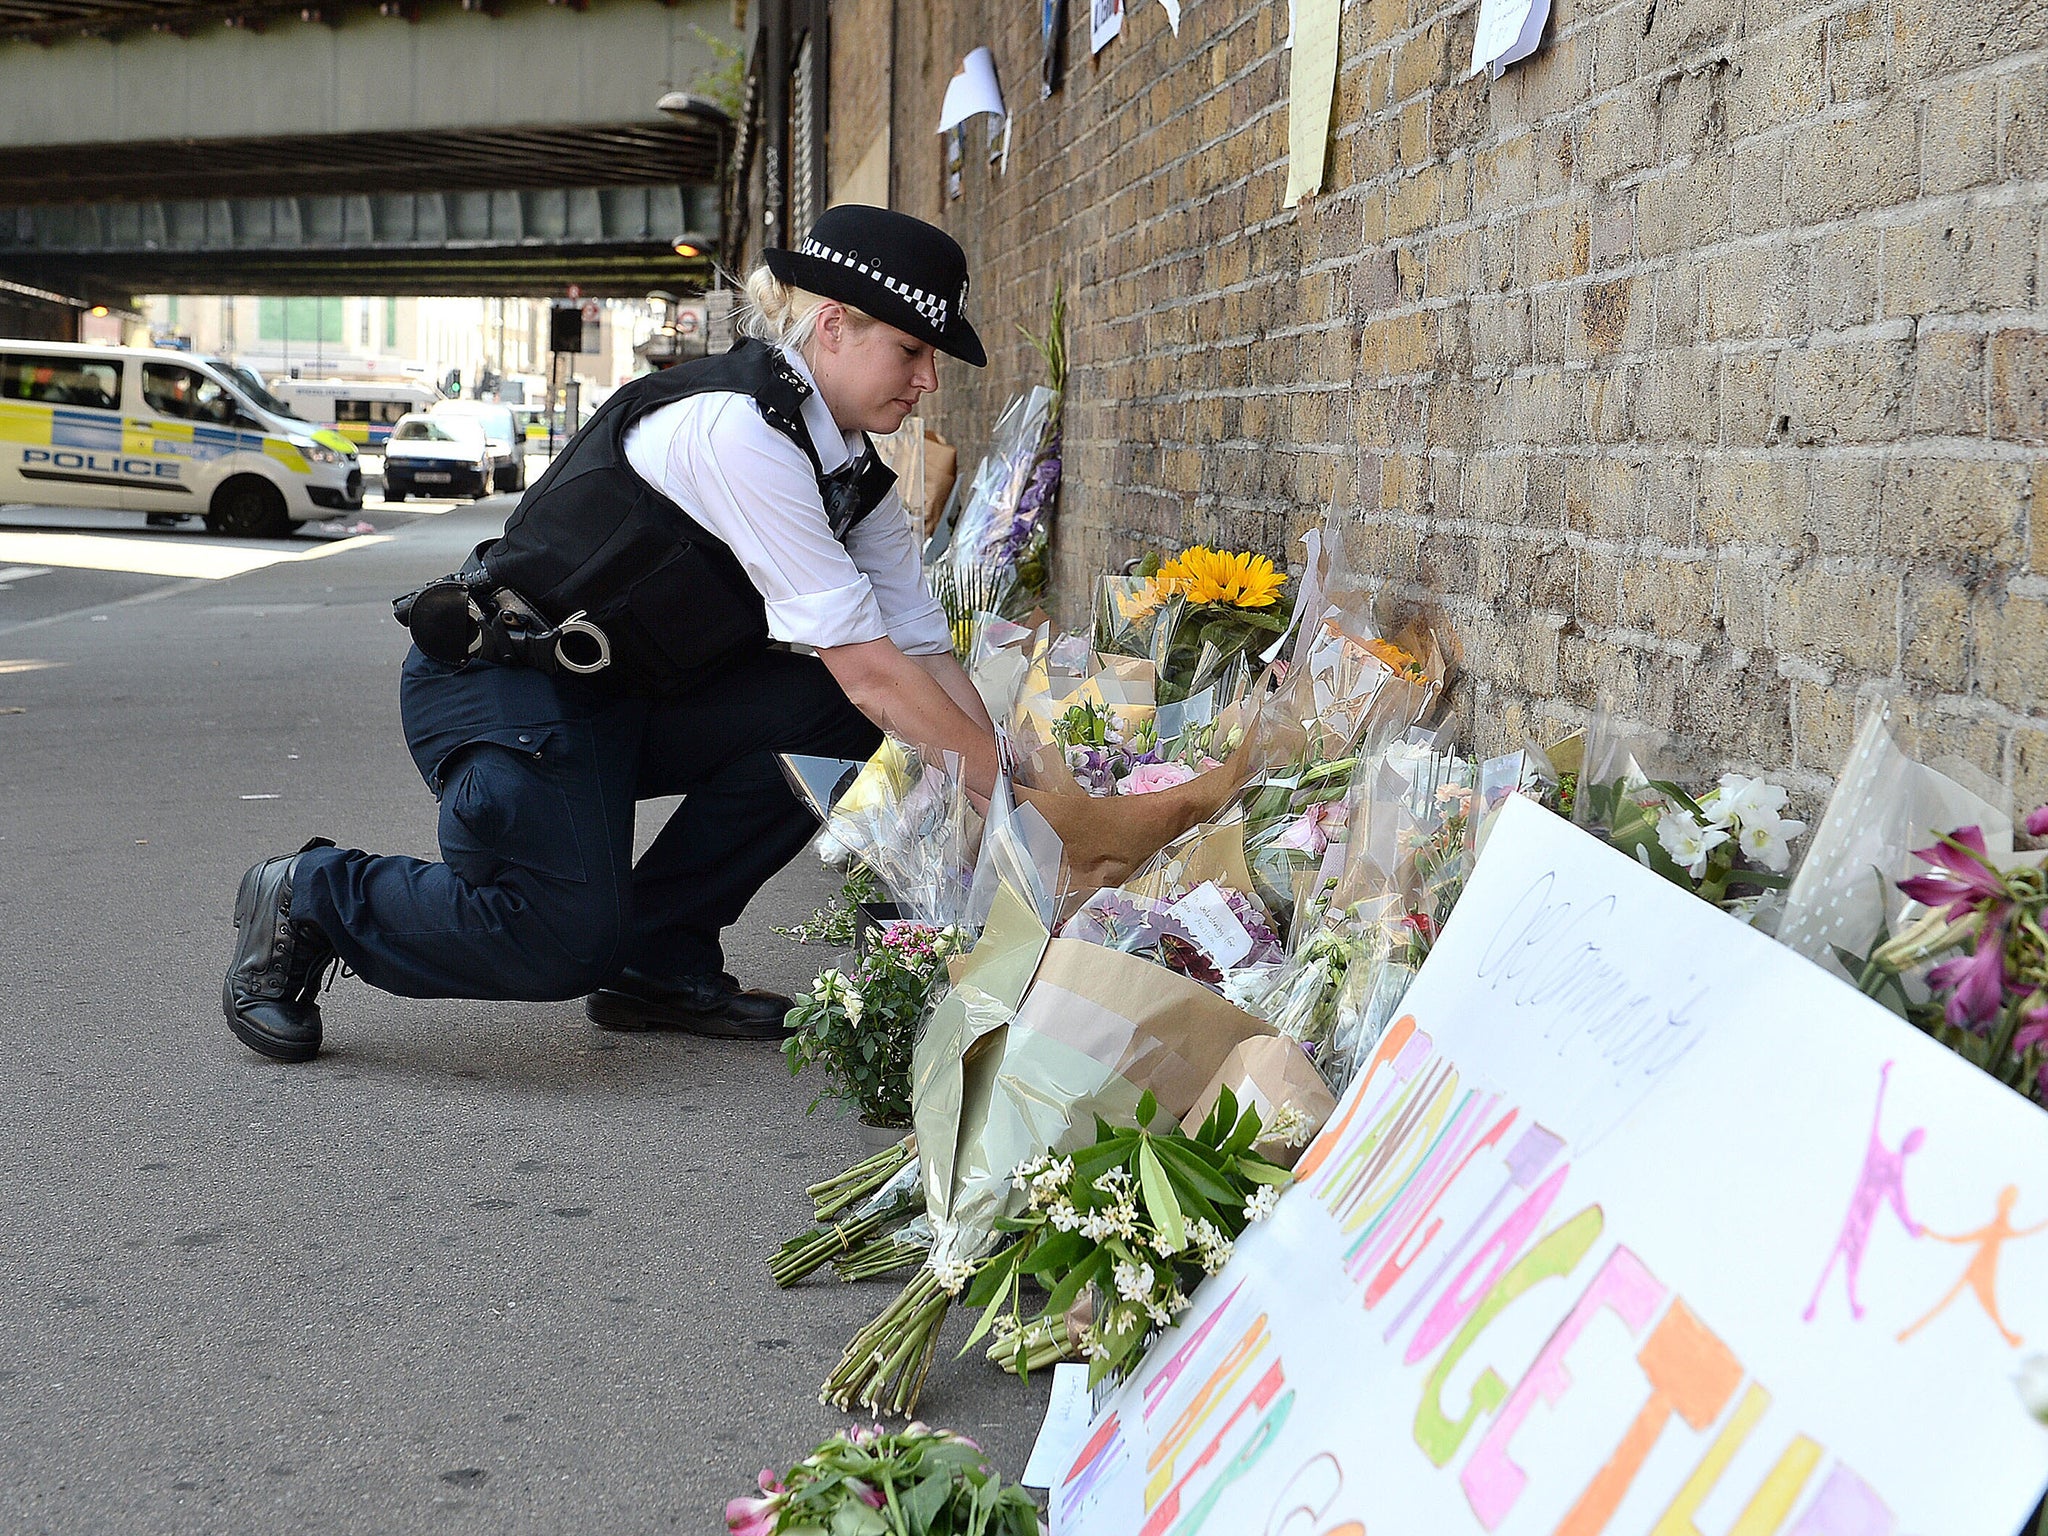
1622 1231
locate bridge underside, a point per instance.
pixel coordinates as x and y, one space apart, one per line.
608 240
486 147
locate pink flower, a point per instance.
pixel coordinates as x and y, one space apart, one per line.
2037 821
1311 833
864 1493
1978 979
756 1517
1962 879
1149 778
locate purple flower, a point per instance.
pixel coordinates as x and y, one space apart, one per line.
2037 821
1963 881
1977 979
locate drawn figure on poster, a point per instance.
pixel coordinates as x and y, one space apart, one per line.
1982 1275
1882 1182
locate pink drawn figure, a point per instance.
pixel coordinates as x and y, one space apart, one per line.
1982 1275
1882 1181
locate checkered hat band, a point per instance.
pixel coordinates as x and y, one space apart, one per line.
930 305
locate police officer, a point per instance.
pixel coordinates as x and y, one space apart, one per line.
614 645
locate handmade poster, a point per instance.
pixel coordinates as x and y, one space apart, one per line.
1509 31
1312 88
1634 1222
1106 20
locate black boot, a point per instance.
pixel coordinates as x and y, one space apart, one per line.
696 1005
269 992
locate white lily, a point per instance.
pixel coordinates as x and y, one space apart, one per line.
1744 801
1767 840
1687 841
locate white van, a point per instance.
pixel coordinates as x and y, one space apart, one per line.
165 433
361 410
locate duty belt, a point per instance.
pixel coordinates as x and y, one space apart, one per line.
468 617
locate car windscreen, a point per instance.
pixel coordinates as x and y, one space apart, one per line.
251 384
424 429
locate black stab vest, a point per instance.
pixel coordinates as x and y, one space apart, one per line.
592 537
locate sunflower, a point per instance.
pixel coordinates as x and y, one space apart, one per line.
1204 575
1402 664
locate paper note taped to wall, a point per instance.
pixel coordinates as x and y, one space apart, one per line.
1509 31
1312 86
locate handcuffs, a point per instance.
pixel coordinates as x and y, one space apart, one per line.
468 617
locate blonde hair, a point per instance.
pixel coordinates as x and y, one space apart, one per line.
782 315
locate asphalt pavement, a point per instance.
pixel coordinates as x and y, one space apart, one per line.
480 1266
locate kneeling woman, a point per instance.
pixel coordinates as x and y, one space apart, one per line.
702 514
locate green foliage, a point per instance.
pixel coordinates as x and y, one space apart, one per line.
914 1482
835 923
726 81
860 1028
1142 1216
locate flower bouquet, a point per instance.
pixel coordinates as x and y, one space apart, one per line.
1039 1037
1979 948
1731 839
859 1027
850 1238
1199 616
1730 846
1141 1217
1885 804
1365 936
871 1482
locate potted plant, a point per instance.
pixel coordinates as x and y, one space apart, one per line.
859 1024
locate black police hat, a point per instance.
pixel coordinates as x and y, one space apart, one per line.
901 270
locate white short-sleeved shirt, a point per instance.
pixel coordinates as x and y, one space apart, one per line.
752 488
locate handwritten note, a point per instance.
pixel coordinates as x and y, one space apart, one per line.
1216 928
1509 31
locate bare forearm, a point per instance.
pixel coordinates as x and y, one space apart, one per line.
912 702
946 671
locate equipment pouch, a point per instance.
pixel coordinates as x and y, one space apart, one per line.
445 619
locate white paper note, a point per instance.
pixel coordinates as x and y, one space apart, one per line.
1215 927
1066 1424
971 91
1508 31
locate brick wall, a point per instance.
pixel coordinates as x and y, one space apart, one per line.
1700 362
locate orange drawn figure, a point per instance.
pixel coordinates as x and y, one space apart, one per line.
1882 1182
1982 1275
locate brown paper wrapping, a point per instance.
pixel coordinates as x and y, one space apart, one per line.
1108 837
1267 1073
1153 1027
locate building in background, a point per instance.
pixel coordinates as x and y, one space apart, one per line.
481 340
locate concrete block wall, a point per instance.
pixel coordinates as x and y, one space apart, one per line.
1700 363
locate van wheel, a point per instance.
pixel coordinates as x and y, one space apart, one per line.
512 477
249 508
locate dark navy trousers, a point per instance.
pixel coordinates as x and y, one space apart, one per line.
537 896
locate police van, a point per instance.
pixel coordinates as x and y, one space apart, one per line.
165 433
361 410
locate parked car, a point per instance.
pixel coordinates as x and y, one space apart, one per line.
162 433
501 429
429 455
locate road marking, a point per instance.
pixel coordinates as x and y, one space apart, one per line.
9 668
192 559
14 573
